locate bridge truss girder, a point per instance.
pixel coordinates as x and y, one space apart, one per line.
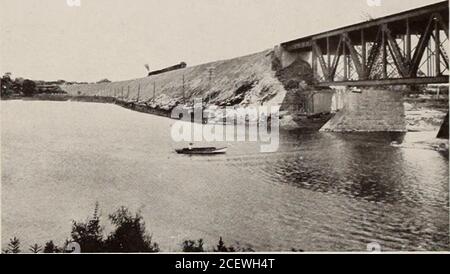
408 48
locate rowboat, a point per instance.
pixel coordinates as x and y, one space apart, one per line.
202 151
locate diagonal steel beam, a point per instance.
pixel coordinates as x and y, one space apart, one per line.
421 46
443 52
399 60
437 41
319 56
337 55
355 56
374 53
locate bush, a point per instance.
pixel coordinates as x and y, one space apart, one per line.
221 247
129 234
6 85
13 246
89 235
29 88
192 246
35 248
50 247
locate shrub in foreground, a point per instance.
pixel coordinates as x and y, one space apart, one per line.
128 235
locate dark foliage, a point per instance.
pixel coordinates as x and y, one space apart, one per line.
6 85
50 247
193 246
35 248
222 248
13 246
89 235
129 234
29 88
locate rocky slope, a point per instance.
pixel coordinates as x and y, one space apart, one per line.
243 81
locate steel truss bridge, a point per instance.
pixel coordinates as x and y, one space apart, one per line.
408 48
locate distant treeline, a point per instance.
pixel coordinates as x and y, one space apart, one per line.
25 87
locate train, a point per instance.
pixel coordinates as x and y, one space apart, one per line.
181 65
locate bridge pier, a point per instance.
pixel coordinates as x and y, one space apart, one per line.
443 132
371 109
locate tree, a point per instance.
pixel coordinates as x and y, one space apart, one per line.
221 247
29 88
129 234
50 247
89 235
192 246
35 248
13 246
6 84
7 75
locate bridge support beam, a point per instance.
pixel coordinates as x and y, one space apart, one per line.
369 110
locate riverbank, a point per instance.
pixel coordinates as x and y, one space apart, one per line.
242 81
425 140
425 113
136 106
421 114
286 121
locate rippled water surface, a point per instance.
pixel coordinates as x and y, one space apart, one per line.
320 191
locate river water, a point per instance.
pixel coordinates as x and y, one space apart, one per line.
319 192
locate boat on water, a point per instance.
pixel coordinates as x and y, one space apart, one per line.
202 151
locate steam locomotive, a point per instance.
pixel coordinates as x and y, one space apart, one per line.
181 65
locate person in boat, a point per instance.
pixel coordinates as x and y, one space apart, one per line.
190 146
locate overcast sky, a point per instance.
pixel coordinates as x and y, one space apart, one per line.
48 40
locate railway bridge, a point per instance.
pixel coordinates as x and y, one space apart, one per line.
407 49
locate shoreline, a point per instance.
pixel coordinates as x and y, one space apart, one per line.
136 106
413 113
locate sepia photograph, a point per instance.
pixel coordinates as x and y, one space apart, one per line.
224 126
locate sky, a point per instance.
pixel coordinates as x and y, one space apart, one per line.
51 40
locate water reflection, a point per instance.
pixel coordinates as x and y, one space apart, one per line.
362 166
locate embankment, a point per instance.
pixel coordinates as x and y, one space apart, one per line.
244 81
252 80
140 107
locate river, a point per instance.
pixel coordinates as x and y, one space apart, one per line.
318 192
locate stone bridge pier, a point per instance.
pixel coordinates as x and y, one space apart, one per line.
371 109
362 109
